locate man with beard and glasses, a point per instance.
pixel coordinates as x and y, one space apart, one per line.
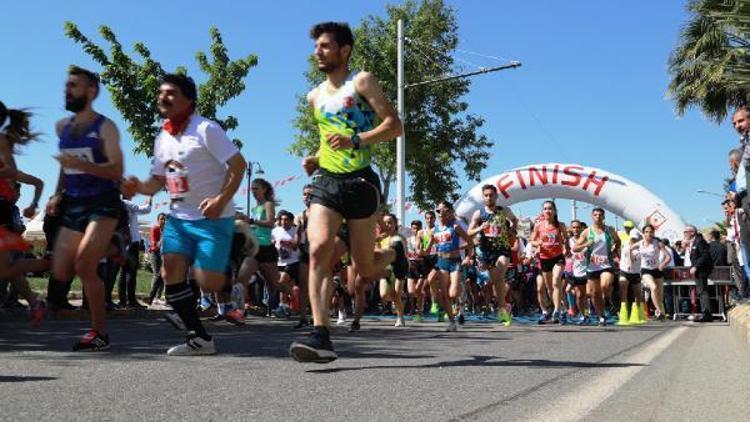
345 106
87 197
202 170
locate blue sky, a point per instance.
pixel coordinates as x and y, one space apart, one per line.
592 88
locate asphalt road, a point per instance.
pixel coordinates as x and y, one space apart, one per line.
418 373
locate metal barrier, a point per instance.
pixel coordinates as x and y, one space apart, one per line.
681 281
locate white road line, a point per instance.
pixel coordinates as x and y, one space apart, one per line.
578 403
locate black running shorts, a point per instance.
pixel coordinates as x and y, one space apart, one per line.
267 254
355 195
549 264
77 213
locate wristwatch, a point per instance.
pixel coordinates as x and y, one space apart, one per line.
356 141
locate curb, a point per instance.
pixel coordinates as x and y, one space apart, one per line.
83 315
739 322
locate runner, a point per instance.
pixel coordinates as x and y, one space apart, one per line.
630 271
17 133
202 170
495 225
654 259
392 284
304 259
601 243
11 255
415 280
578 279
87 197
263 220
550 239
430 260
447 272
286 241
345 108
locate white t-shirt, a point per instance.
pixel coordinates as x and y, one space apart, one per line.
202 152
283 239
133 212
651 254
630 261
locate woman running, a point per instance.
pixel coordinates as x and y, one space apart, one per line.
16 133
263 220
550 239
652 267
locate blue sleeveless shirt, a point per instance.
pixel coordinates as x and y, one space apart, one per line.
87 147
445 238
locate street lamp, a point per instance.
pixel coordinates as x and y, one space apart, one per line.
250 179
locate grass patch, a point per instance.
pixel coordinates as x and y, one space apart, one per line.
143 284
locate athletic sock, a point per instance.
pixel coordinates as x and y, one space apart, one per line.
182 299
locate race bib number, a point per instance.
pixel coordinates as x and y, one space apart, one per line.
84 153
651 262
178 185
599 260
491 231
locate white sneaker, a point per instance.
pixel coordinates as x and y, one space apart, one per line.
193 346
342 318
400 322
451 327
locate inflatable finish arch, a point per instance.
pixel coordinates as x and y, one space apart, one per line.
587 184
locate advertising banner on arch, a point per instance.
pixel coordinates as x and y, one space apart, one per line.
601 188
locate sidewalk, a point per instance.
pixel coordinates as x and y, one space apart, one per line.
739 322
151 312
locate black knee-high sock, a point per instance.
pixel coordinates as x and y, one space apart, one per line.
195 287
182 299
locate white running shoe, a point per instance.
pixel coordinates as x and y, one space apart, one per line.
342 318
400 322
193 346
451 327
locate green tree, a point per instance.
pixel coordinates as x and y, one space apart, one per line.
710 66
439 131
134 85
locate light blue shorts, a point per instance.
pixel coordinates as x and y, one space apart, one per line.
205 242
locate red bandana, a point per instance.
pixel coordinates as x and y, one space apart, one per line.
178 123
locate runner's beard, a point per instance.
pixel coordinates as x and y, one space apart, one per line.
75 104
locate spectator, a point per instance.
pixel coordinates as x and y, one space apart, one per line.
698 258
126 284
717 250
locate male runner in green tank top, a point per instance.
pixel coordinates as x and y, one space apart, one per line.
344 185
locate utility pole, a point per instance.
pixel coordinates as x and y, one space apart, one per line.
402 86
401 140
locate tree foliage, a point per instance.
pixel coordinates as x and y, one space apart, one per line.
439 131
134 83
710 66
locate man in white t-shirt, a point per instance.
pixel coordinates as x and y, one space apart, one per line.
202 170
284 237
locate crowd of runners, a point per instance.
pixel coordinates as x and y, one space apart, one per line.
340 258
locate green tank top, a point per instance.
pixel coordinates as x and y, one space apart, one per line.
263 234
345 113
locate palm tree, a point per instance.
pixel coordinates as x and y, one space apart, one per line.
710 67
